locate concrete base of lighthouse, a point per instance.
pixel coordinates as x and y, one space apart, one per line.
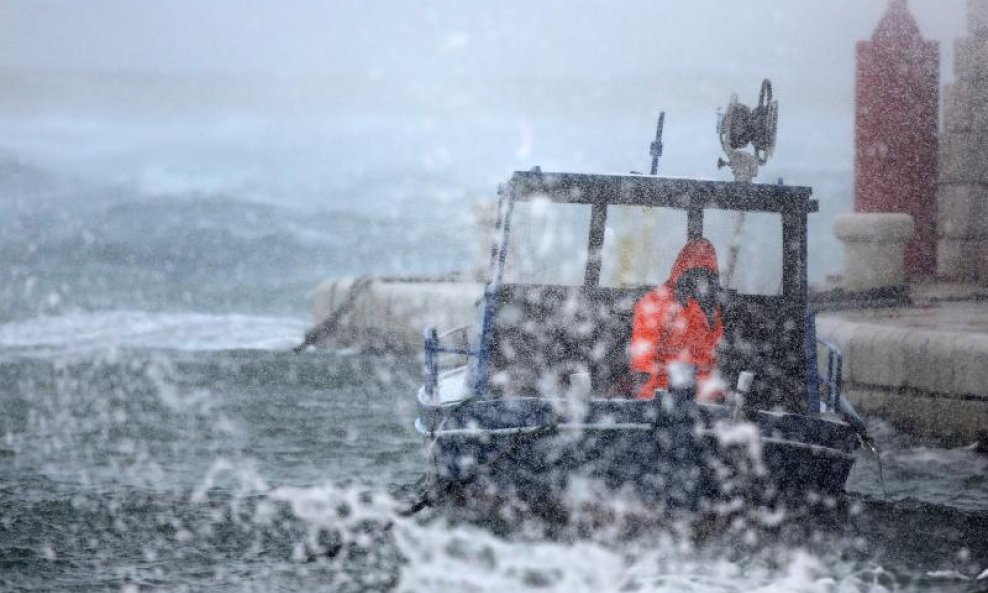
874 245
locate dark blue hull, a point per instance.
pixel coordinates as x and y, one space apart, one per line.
691 457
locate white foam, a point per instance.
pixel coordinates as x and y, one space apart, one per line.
137 329
444 557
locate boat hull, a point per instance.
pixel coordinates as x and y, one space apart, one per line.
692 458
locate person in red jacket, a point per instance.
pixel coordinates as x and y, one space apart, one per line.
680 321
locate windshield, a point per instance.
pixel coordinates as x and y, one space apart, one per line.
640 245
757 239
547 243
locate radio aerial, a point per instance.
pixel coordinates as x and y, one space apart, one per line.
741 126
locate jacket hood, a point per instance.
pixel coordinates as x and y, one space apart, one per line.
695 260
697 254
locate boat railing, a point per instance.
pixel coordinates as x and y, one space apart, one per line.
833 381
443 352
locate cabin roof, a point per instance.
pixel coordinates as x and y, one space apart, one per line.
652 191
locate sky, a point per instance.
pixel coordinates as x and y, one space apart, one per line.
808 42
398 37
446 83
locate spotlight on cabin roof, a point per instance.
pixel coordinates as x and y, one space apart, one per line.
741 126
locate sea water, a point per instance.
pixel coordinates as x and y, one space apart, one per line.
158 434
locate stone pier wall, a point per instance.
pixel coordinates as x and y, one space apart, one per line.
962 196
926 380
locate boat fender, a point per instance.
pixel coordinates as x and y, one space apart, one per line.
745 380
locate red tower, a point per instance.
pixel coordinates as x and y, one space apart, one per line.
898 84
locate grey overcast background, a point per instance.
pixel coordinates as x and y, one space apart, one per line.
412 109
454 54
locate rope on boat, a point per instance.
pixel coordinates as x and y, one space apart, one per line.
328 326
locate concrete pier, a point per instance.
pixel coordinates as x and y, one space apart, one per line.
389 313
922 368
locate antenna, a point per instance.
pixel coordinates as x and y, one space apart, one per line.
656 148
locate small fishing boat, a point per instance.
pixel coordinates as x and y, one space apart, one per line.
540 412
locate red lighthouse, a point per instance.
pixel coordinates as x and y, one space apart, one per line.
898 81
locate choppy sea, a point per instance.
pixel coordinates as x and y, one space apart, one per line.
158 434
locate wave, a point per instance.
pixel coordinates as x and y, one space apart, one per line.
69 246
232 214
137 329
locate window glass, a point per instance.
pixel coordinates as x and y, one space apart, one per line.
640 245
758 239
547 243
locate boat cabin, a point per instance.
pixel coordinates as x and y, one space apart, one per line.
563 284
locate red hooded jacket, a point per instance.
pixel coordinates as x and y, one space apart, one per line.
665 331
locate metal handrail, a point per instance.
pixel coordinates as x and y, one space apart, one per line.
835 378
434 348
464 331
